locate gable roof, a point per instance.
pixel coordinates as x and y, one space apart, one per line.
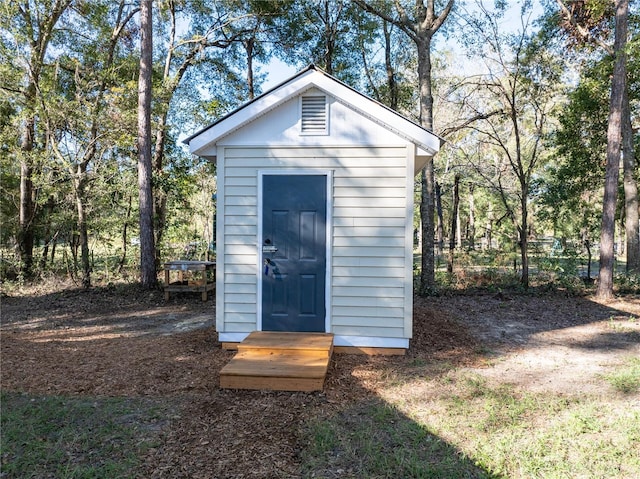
427 142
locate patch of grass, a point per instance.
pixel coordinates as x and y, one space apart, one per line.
376 440
469 427
506 432
626 379
66 437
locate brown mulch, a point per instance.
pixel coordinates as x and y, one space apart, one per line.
126 342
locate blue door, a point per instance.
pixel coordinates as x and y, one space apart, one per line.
294 220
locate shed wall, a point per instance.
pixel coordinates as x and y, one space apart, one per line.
371 277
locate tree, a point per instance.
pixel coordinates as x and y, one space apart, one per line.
614 148
420 24
588 24
79 133
327 33
35 24
455 217
390 78
148 274
509 108
193 37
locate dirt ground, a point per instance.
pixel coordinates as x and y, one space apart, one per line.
125 342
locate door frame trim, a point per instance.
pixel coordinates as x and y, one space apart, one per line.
328 174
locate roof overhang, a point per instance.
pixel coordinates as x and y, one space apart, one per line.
427 143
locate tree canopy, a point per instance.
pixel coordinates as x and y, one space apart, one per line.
522 95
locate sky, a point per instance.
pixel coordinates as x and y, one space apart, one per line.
278 71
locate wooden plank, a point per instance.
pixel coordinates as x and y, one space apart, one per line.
272 384
288 340
276 364
180 265
282 361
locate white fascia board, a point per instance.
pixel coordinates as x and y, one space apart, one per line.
250 112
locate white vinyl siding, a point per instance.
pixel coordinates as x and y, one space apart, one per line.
369 278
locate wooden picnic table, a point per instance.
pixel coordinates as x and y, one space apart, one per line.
193 276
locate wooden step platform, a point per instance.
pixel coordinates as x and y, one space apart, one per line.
279 362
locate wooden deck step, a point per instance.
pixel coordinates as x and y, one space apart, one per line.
279 361
312 343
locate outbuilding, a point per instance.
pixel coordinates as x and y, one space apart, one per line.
315 208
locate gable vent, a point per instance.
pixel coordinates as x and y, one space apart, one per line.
314 114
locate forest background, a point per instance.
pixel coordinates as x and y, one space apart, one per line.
534 100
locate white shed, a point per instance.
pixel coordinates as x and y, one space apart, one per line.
315 213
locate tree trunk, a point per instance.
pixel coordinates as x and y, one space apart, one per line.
249 46
391 77
53 248
148 276
159 191
27 205
630 190
454 222
427 202
440 227
471 234
425 24
40 30
587 245
427 273
123 258
329 39
524 246
73 247
83 234
614 143
47 232
489 227
458 226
